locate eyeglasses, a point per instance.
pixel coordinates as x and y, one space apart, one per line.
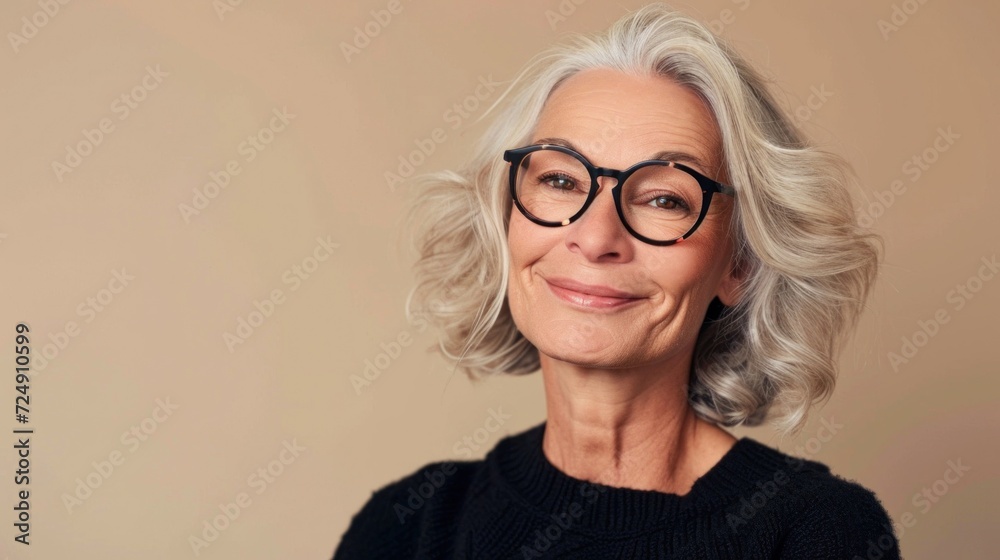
659 202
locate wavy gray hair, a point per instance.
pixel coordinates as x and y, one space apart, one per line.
810 264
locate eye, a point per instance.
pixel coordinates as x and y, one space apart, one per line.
558 181
668 202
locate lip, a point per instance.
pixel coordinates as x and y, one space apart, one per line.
589 295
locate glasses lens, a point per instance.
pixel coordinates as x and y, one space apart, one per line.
661 202
552 185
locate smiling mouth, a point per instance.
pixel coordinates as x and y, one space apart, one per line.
590 301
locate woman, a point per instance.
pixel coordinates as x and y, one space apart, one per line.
653 233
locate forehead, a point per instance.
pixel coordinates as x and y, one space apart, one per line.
617 119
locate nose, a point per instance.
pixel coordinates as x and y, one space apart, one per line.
599 234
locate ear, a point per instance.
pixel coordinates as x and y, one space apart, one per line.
733 284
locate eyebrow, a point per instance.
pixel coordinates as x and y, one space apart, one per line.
668 155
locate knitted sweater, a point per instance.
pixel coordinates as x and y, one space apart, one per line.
756 502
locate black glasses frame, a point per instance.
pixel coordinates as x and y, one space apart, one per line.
708 187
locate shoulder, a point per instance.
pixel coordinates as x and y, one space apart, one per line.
395 513
843 519
830 516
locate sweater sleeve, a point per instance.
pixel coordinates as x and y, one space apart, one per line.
848 522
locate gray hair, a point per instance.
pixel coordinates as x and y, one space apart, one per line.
810 263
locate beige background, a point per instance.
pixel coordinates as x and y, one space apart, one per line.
62 234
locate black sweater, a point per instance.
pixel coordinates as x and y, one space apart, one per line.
756 502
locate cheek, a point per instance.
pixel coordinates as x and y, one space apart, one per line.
682 272
518 255
527 244
526 241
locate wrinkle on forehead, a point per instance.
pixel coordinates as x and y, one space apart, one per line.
618 119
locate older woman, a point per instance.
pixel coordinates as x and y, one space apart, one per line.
645 225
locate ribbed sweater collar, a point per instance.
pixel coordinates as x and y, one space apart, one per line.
519 464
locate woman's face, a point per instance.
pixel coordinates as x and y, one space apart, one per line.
616 120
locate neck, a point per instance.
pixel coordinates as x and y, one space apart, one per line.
630 428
